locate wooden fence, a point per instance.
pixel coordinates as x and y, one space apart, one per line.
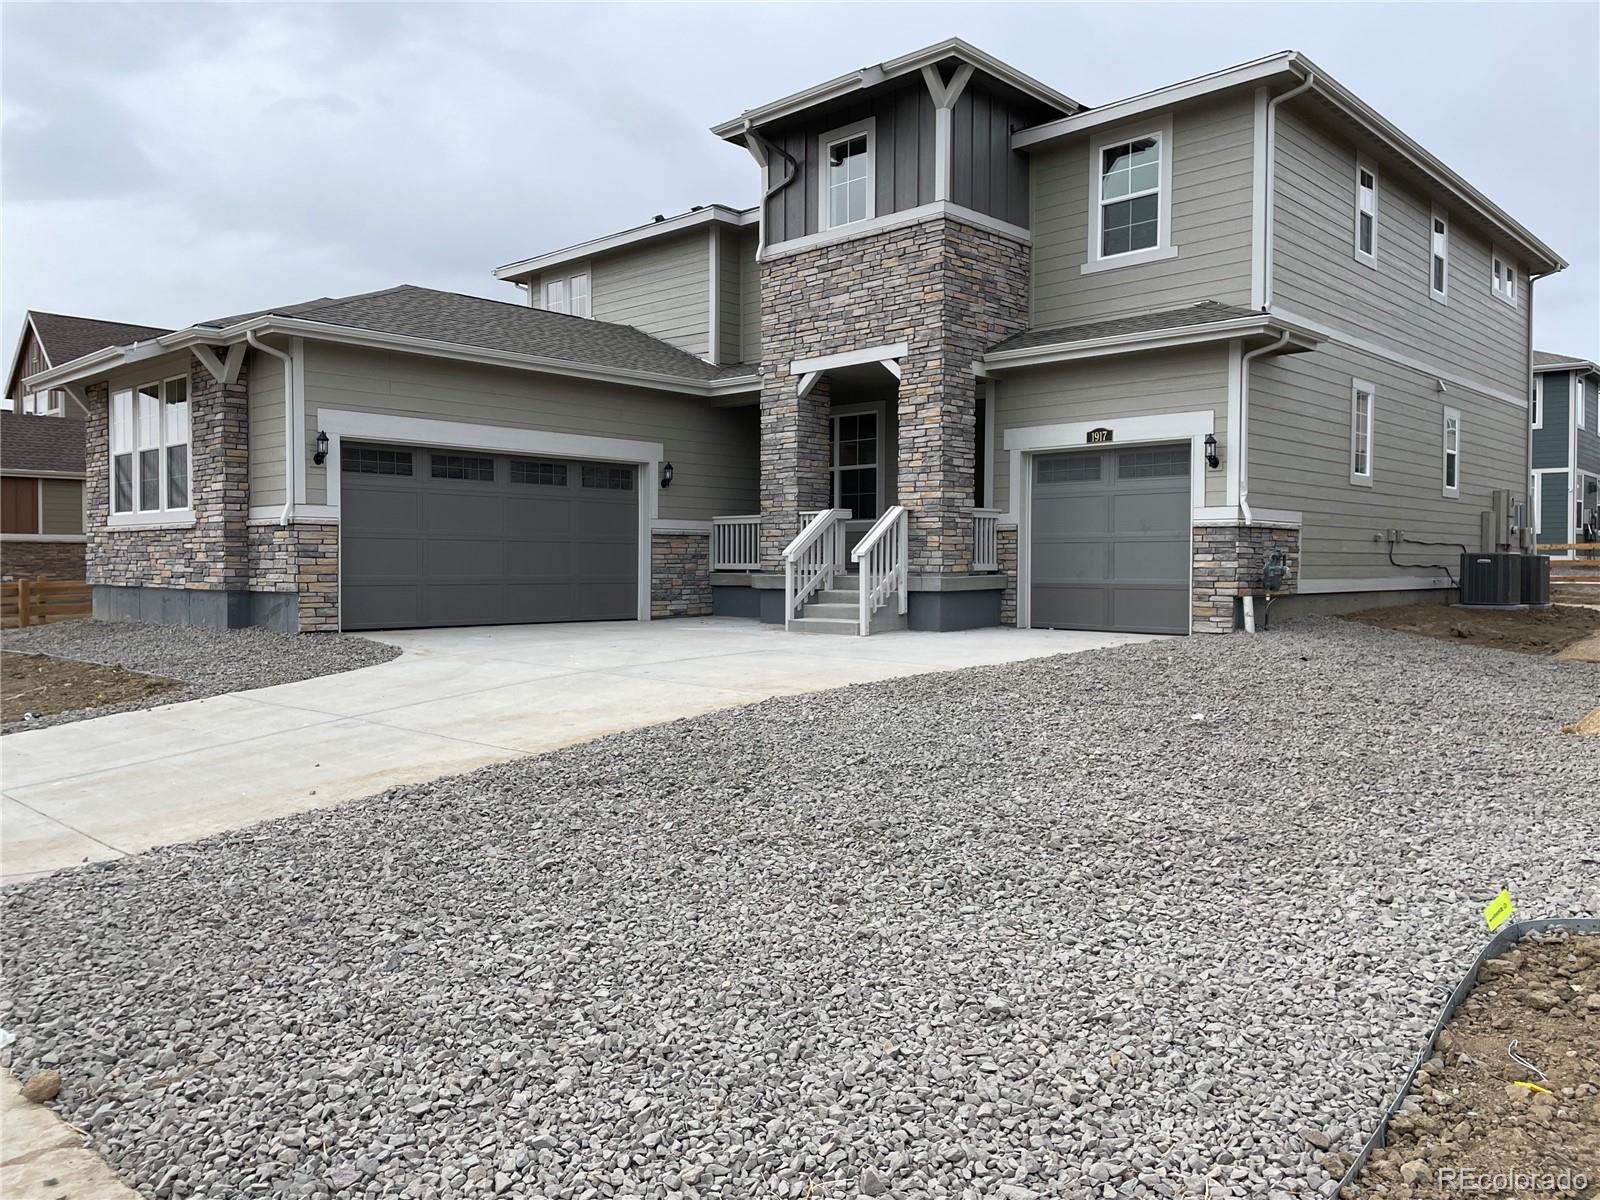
40 601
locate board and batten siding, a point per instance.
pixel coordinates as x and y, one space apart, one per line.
749 301
986 175
714 451
1555 493
903 169
61 506
1316 273
1588 438
1552 441
662 287
1103 389
1212 168
1299 424
264 387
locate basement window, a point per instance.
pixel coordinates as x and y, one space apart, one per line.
1361 418
1452 453
149 436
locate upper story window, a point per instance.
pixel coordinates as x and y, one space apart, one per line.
44 404
150 448
1580 400
848 174
1536 413
1361 418
1439 257
569 294
1503 276
1452 452
1366 212
1131 189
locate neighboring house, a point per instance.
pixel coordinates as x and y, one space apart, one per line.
52 339
1037 363
41 496
1565 421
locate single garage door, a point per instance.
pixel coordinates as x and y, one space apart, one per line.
1110 540
449 537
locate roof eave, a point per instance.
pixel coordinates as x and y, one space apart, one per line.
1161 339
739 218
865 77
1577 364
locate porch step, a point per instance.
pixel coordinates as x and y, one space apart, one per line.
810 624
826 618
839 610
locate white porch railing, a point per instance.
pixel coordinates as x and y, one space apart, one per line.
882 556
812 560
986 539
736 543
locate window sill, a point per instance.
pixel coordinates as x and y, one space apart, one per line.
1451 493
168 520
1135 259
1361 481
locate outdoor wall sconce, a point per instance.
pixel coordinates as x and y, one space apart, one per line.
321 456
666 475
1211 451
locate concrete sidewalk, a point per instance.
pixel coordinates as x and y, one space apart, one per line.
455 700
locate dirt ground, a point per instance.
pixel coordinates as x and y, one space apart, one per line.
1470 1126
33 683
1528 631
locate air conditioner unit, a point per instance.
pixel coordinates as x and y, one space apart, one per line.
1491 580
1535 580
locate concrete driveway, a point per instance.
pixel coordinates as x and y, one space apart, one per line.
455 700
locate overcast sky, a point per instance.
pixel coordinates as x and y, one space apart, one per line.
166 163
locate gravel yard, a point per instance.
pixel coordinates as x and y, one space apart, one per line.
206 662
1160 920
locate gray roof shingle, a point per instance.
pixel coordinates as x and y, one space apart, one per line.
1207 312
65 338
34 443
499 325
1545 360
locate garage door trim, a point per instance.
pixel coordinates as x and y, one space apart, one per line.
381 428
1023 442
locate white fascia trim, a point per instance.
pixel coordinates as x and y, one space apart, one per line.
16 355
1129 343
1192 426
1257 70
855 81
1350 341
1404 583
377 427
1575 364
711 213
849 358
73 538
909 216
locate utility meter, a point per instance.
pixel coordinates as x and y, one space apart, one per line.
1275 570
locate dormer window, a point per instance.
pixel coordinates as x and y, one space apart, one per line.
569 294
847 174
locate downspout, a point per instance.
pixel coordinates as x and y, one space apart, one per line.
1272 177
288 422
1244 420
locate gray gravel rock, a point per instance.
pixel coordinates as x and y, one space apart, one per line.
207 662
1015 931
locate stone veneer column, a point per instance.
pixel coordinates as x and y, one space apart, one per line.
949 290
680 575
1228 561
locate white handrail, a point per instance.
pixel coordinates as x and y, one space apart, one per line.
736 543
986 539
882 555
812 559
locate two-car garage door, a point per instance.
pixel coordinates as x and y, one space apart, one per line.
453 537
1110 540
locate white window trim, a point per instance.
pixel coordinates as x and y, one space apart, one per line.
1441 295
1537 500
1358 386
149 518
1163 249
566 278
1445 452
856 410
1364 256
869 128
1506 293
1537 421
1579 401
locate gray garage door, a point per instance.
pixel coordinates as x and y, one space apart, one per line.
1111 540
448 537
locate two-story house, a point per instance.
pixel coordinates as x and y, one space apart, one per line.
981 354
1565 431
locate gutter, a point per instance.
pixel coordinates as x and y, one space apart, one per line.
1256 323
289 448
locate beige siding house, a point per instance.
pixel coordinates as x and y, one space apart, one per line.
981 354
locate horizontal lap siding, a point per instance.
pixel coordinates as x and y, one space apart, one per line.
1299 422
1212 168
730 311
663 288
749 300
713 450
1099 389
60 506
1316 273
265 381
